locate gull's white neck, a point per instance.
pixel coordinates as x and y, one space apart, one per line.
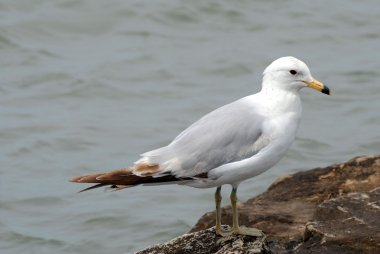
279 101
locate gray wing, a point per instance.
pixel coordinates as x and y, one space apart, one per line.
223 136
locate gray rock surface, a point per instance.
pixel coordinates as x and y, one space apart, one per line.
207 242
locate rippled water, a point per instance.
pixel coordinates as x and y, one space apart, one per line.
88 85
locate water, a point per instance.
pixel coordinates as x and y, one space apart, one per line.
88 85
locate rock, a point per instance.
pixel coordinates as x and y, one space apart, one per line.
207 242
346 224
324 210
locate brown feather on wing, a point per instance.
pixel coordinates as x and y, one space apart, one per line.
142 173
146 169
115 177
124 178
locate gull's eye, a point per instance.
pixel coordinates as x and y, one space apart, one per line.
293 72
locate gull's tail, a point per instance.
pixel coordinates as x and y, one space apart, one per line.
126 178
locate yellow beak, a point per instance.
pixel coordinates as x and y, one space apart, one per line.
319 86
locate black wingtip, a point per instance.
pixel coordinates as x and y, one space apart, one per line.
93 187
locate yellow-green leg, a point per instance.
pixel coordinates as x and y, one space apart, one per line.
235 219
218 226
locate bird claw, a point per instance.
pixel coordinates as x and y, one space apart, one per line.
248 231
224 233
239 231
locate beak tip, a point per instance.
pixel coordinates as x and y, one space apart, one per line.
326 90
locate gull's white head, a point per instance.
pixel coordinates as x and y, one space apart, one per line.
291 74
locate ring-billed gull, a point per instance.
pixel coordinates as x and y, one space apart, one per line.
232 143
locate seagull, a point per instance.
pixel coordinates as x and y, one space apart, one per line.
233 143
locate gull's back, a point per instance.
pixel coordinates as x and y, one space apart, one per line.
225 135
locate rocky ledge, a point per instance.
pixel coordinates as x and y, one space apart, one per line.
206 241
324 210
